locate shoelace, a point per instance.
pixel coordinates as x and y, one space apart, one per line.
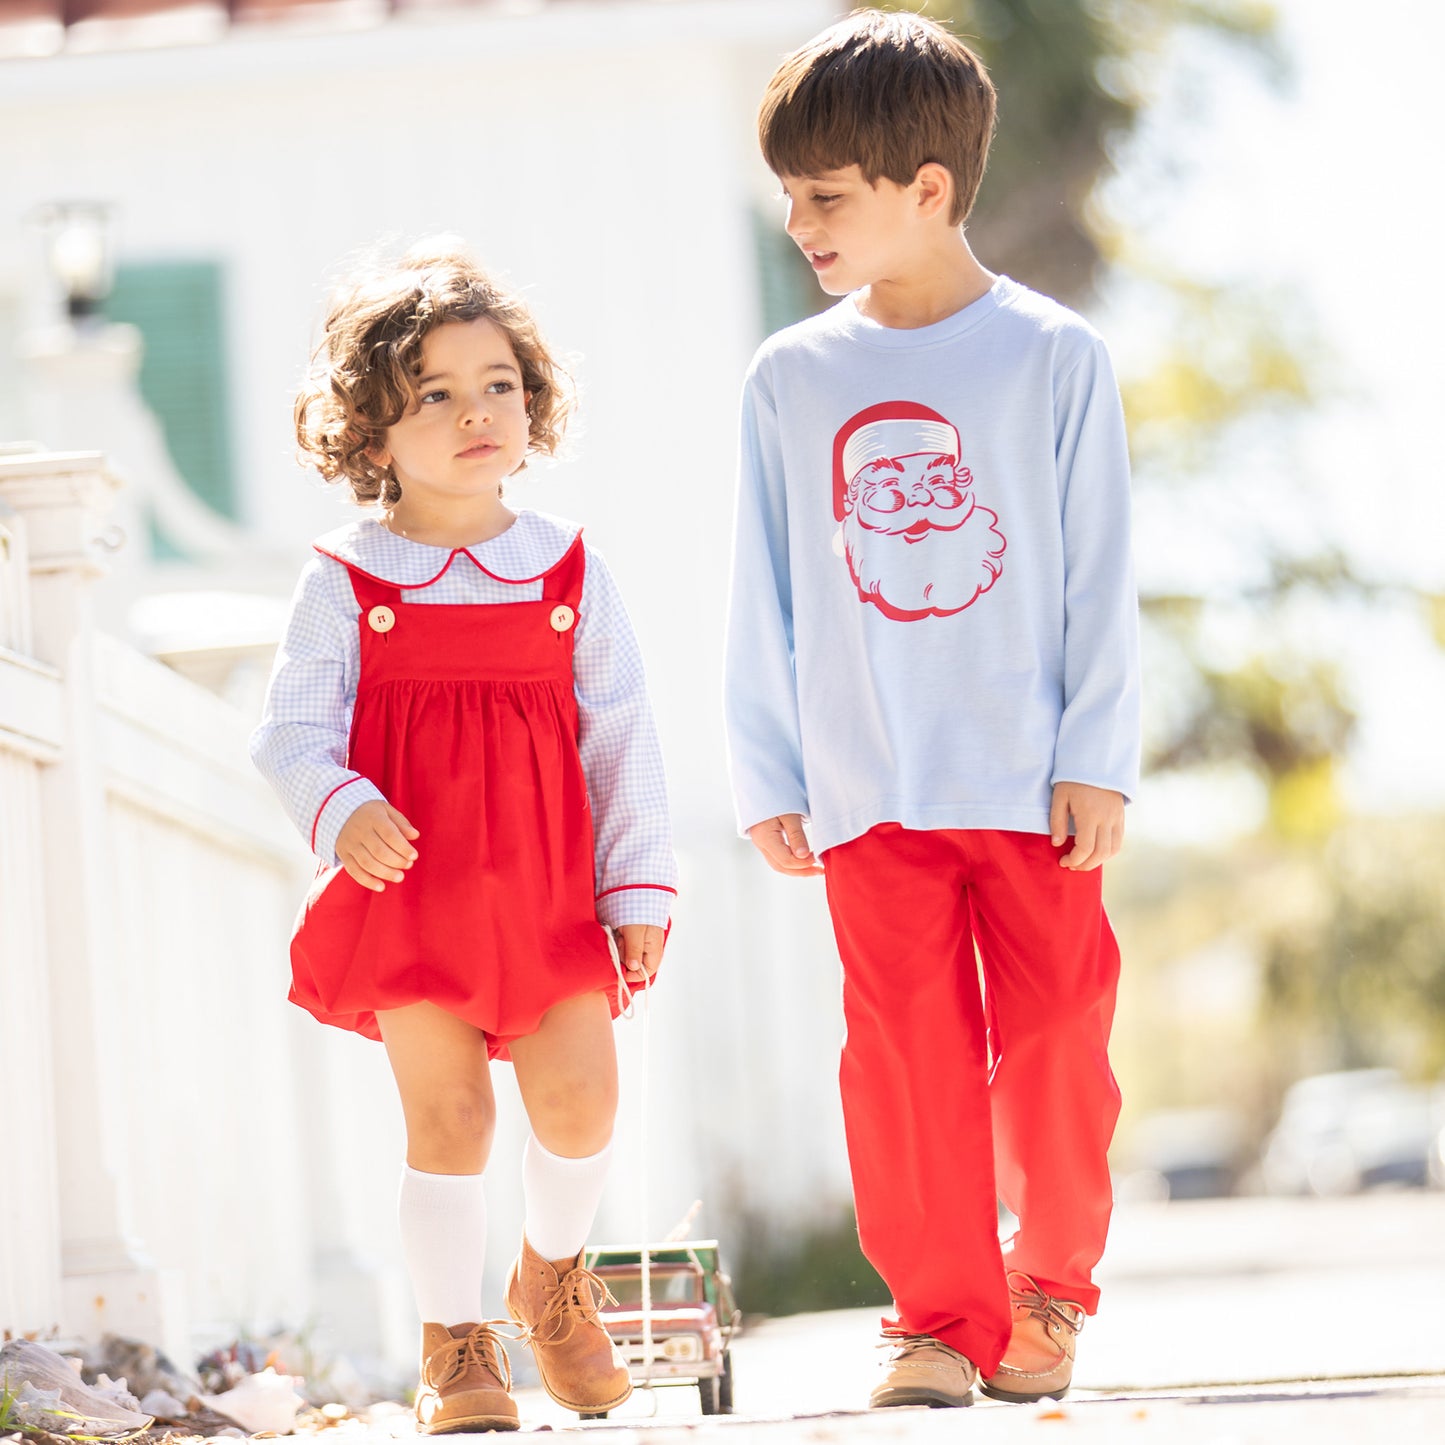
1042 1306
904 1345
579 1296
482 1348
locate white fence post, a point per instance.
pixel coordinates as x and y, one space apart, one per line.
29 739
63 501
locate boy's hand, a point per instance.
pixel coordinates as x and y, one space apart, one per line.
1098 815
783 843
639 946
374 845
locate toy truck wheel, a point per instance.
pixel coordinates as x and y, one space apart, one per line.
710 1393
725 1384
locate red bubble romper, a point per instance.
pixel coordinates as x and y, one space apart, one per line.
466 720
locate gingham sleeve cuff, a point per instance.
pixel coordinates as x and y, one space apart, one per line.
337 806
636 903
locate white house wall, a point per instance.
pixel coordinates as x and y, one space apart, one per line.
602 158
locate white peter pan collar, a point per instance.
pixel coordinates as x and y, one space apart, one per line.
527 550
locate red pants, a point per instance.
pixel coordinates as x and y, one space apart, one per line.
936 1136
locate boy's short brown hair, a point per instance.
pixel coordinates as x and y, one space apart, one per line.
887 91
364 370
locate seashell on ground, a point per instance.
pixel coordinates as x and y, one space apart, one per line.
261 1403
51 1396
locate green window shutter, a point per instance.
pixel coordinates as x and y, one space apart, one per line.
178 307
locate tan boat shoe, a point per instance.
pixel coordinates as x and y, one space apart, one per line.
556 1302
466 1381
922 1370
1039 1361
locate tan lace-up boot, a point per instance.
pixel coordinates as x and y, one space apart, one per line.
465 1381
922 1370
1039 1361
556 1302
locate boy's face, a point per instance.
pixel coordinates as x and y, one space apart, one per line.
467 430
854 234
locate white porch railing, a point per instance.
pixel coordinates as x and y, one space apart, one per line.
31 731
162 1170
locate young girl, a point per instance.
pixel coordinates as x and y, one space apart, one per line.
457 722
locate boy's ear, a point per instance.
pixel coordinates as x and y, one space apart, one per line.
933 184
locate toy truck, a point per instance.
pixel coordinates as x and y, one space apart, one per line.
693 1321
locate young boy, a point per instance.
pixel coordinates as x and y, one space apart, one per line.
932 656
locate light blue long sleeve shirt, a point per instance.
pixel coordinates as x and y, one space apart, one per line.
933 616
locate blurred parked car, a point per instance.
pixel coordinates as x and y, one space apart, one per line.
1184 1154
1351 1130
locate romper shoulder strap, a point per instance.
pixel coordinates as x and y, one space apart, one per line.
371 591
564 582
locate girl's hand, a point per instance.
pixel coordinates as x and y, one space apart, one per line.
639 946
374 845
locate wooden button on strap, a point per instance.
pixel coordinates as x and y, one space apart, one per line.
562 617
381 619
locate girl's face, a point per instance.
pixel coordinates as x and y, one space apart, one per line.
467 431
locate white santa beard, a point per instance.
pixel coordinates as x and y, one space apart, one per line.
942 572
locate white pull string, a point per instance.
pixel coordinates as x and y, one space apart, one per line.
646 1158
627 1009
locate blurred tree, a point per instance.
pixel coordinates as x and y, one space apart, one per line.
1073 78
1356 975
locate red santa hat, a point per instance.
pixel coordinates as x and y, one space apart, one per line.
890 429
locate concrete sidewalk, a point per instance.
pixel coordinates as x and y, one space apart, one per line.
1224 1322
1344 1413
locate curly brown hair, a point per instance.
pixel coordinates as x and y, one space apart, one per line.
363 372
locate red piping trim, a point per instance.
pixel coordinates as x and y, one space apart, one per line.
316 822
540 575
455 553
624 887
389 581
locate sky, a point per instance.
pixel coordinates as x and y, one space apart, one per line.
1318 186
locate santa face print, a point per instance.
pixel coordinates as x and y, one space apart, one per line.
916 541
911 496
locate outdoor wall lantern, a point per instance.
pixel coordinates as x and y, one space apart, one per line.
78 253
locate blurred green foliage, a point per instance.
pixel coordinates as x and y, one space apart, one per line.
820 1267
1356 974
1073 78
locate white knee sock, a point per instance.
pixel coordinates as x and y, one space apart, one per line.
444 1238
562 1198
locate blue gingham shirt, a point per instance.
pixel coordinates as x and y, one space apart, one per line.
301 743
